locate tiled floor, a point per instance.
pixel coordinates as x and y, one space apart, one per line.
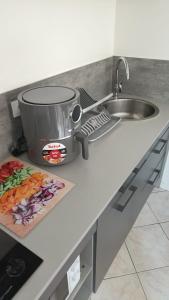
140 270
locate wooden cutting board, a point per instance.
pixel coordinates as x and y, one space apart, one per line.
9 220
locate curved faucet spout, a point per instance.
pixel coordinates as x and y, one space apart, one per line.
118 85
124 60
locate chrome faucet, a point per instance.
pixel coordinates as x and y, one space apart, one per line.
118 85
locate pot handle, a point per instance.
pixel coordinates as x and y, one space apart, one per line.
83 139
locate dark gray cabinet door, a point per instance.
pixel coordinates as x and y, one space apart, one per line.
118 218
114 225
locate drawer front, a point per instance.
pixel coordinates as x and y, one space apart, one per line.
148 164
158 150
155 174
114 225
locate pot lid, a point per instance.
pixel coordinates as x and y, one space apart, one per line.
48 95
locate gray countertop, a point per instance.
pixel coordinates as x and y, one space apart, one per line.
96 182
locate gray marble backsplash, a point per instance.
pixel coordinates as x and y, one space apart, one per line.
149 78
96 78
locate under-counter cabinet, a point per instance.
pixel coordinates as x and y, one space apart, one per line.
100 246
59 290
119 217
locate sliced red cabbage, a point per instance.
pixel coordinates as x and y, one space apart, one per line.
25 211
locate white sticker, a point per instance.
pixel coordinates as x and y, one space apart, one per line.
73 275
54 153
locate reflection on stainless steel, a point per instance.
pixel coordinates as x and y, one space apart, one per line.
118 84
134 109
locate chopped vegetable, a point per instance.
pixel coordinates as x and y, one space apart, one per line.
26 189
25 211
8 168
15 179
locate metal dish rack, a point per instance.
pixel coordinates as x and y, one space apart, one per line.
96 123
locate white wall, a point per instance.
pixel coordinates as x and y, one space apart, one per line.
142 28
42 38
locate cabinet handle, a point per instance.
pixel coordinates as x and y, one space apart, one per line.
125 198
159 146
154 176
137 169
127 183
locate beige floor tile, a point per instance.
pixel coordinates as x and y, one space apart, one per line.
146 217
148 247
159 203
156 283
157 190
120 288
165 227
121 265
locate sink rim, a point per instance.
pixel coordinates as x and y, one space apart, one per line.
149 103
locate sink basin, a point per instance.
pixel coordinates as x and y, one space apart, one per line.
130 108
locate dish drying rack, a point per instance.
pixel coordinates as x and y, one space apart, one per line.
96 123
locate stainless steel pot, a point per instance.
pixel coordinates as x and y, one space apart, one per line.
51 118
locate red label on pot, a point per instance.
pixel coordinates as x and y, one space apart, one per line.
54 153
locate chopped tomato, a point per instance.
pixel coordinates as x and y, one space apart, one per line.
8 168
12 165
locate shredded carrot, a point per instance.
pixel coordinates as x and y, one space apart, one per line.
28 187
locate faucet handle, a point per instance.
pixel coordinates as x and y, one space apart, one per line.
120 87
117 88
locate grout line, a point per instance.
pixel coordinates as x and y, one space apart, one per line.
153 269
122 275
164 232
163 222
142 287
158 221
136 270
153 212
159 191
145 225
130 257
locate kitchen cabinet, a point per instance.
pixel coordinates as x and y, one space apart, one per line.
83 289
119 217
98 249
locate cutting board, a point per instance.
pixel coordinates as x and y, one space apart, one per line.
28 199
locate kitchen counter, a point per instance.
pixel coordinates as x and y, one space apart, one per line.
97 180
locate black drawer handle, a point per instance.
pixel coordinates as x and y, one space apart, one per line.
123 201
137 169
154 176
160 146
127 183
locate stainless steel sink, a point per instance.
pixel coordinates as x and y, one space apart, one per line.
130 108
